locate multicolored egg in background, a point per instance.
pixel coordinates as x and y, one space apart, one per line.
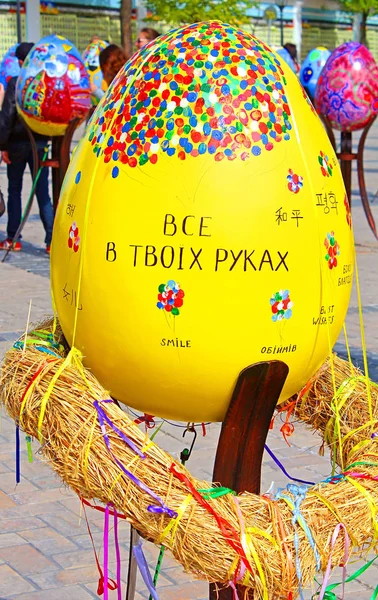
53 86
285 55
311 68
9 66
91 58
347 90
200 228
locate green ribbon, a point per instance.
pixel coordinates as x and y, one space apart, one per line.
329 595
361 463
29 447
216 492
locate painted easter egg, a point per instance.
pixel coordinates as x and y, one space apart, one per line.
91 58
200 228
312 67
347 90
53 86
9 66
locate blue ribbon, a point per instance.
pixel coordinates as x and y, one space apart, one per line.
144 570
297 495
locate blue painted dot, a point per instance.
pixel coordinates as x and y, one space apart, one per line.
192 97
243 84
171 151
183 142
131 150
111 141
212 149
264 139
256 151
225 89
193 121
248 106
286 136
173 85
228 151
115 172
217 135
188 147
232 129
78 176
202 148
206 129
115 155
170 124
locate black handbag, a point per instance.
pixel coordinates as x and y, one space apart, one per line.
2 204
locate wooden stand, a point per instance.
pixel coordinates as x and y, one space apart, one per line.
243 435
346 156
241 444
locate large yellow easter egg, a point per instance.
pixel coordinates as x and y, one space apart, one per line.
203 226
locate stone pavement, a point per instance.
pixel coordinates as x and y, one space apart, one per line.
45 550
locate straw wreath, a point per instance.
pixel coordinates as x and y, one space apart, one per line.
273 545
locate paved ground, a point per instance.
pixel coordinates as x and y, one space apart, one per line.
45 551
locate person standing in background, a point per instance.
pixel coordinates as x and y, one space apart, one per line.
112 59
146 35
17 153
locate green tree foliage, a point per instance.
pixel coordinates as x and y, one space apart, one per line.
366 8
176 12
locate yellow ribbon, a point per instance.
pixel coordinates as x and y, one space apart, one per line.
371 503
47 394
173 523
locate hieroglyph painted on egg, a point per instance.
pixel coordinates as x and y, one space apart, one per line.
219 91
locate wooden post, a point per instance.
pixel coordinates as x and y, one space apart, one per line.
243 435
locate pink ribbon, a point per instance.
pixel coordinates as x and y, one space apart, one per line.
327 574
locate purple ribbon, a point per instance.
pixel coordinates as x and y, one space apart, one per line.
118 555
280 465
102 416
18 455
144 570
106 552
163 508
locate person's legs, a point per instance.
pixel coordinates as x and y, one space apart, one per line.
46 210
15 172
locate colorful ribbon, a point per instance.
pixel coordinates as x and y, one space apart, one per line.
144 570
299 494
229 533
162 508
18 455
328 571
280 465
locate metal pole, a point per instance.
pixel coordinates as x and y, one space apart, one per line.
281 24
18 16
